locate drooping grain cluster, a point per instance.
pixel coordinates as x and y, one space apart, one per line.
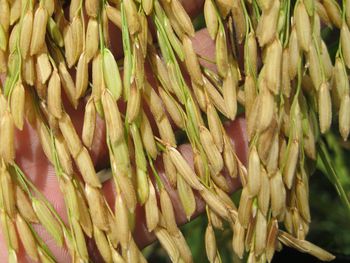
270 59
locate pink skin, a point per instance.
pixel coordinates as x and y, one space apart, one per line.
35 165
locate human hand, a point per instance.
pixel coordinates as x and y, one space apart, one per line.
32 160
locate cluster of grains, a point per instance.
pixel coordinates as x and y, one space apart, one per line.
270 59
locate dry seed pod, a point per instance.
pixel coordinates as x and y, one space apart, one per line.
333 11
132 17
265 4
79 240
63 155
92 7
112 116
182 17
169 168
89 123
147 6
291 163
5 14
70 135
314 67
8 230
191 61
134 103
24 206
82 76
210 243
229 90
347 12
168 212
303 201
245 207
278 194
111 73
294 53
251 55
264 193
92 38
27 238
86 168
173 108
211 19
48 221
238 20
102 245
215 203
7 138
344 40
70 46
26 33
148 137
273 62
254 178
167 243
54 102
211 150
238 239
78 36
187 197
7 192
221 54
229 157
122 224
43 67
215 127
68 84
17 105
39 30
84 215
151 208
260 233
267 25
344 117
302 26
97 207
166 131
266 109
324 107
215 96
114 15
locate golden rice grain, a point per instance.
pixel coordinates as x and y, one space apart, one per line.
39 30
211 19
70 135
24 206
92 7
17 105
333 11
54 102
97 207
182 17
151 208
27 238
114 15
167 243
122 223
187 197
9 232
89 123
26 33
302 26
102 245
325 107
92 38
210 243
168 212
7 138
